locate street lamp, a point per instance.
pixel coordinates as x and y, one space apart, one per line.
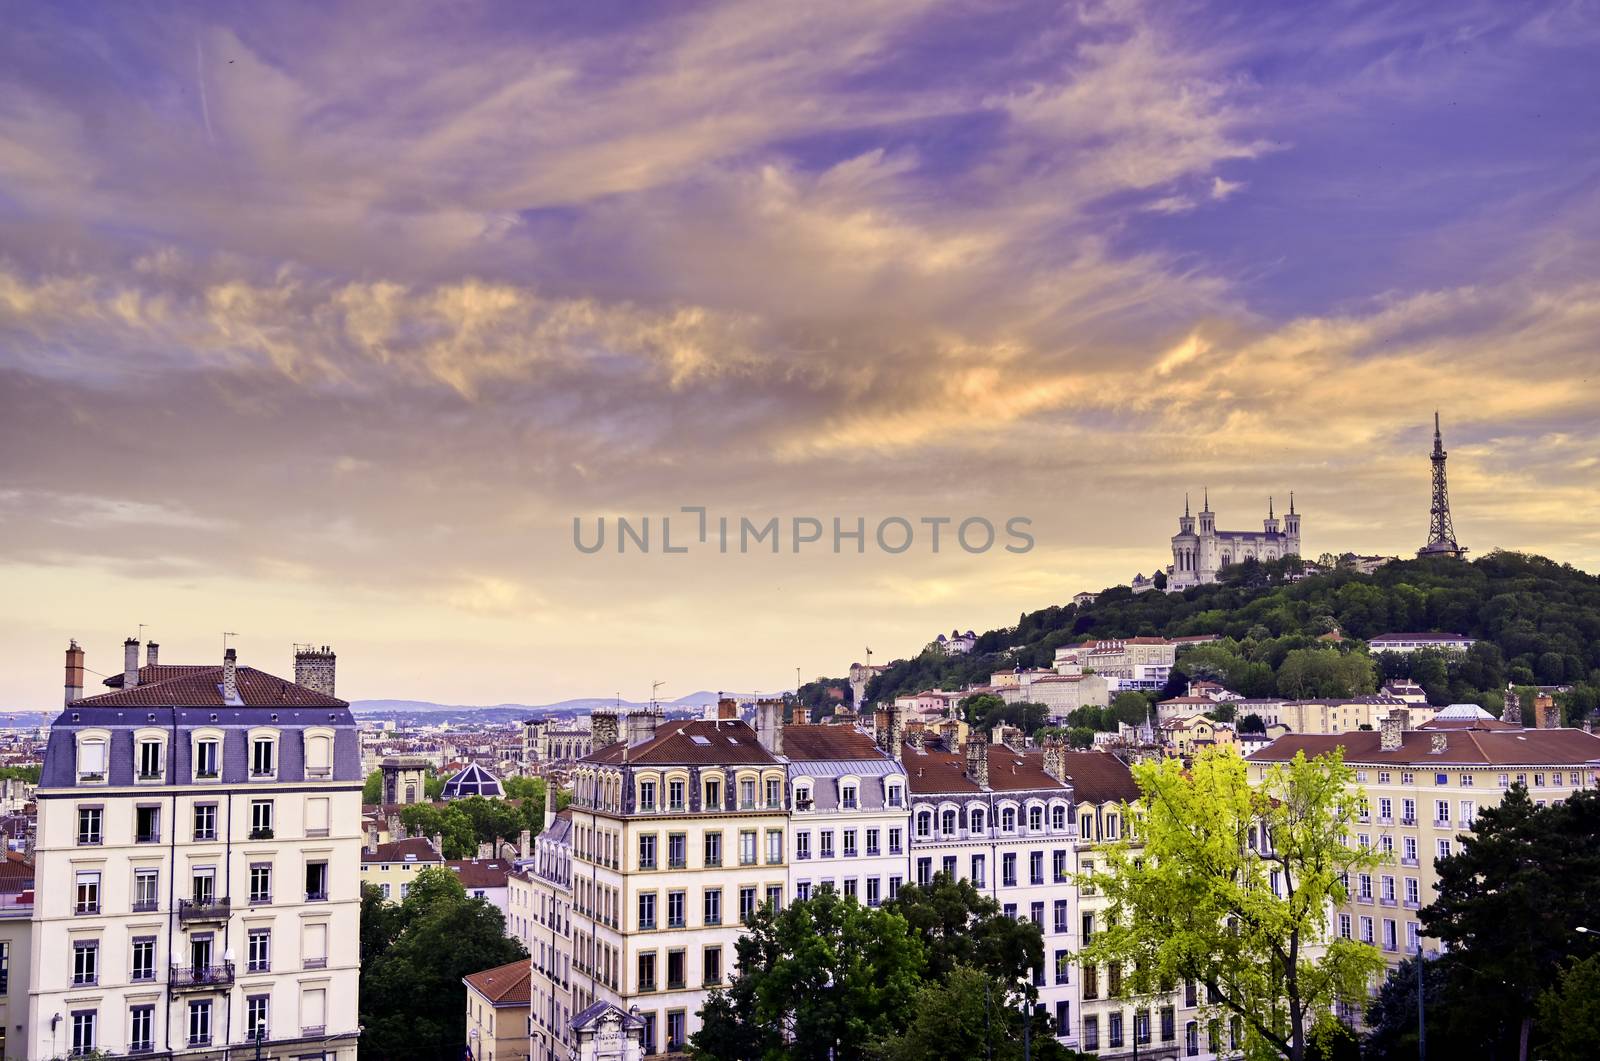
1027 1018
261 1033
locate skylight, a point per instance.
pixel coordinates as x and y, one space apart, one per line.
699 739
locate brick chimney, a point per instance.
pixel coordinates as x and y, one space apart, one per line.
1440 743
1391 729
977 749
897 731
727 708
230 676
152 654
769 725
74 688
603 729
314 667
130 663
880 729
1055 757
915 737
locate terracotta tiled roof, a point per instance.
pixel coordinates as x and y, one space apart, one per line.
827 743
480 873
201 687
690 742
396 851
507 985
1097 777
1470 747
159 673
934 771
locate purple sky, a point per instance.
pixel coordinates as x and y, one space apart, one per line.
322 323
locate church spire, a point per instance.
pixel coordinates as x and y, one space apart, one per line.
1269 507
1186 504
1291 502
1207 507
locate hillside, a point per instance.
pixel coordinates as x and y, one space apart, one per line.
1538 622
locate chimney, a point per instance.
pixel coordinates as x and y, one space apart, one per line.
978 758
916 737
727 708
1391 730
437 840
397 829
769 725
524 843
641 726
1013 737
152 654
230 676
74 672
372 834
880 729
313 668
130 663
603 729
897 730
1055 758
549 801
1440 743
485 851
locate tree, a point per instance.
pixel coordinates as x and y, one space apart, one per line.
970 1015
1570 1012
1312 672
1130 707
413 1004
1081 737
372 789
1252 723
959 925
820 979
978 707
1194 894
1224 712
1508 907
1392 1017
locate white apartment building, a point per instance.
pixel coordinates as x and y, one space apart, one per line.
200 827
850 814
540 898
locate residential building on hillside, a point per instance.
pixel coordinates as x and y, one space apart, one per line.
848 826
1408 643
1336 715
204 825
1061 693
484 878
1423 789
678 836
1117 658
497 1012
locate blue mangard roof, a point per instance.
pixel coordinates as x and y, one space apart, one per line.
473 781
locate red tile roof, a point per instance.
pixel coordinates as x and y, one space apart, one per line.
202 687
690 742
505 985
1097 777
934 771
396 851
481 873
1470 747
827 743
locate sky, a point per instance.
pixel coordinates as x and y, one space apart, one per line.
324 323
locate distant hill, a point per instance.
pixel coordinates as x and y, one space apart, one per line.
427 710
1538 622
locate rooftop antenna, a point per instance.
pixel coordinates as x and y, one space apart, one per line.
141 633
225 635
655 687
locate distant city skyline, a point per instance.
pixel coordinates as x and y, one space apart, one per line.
323 327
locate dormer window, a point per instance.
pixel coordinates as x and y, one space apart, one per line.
947 822
319 755
894 797
208 759
713 793
1008 819
802 797
1036 819
774 793
924 824
263 757
847 796
647 795
92 760
1058 818
976 820
149 760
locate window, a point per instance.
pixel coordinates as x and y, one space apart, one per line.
1008 869
146 890
775 897
1008 819
850 843
1111 826
263 757
255 1023
206 759
316 881
675 794
205 821
1088 928
747 903
204 886
826 836
747 794
1036 819
647 851
89 819
1063 1018
802 845
1058 818
1091 1032
647 972
92 759
947 822
647 910
979 871
896 844
894 797
1058 866
713 850
675 905
711 964
1063 965
713 793
924 871
976 819
675 970
894 887
319 755
314 945
1344 925
1441 812
259 953
747 847
1444 848
872 841
1114 980
850 887
675 1029
1059 915
647 795
200 1022
774 793
873 887
86 962
677 850
83 1032
1412 891
713 906
88 894
1036 867
1036 914
924 824
141 1028
1169 1024
147 825
261 819
948 866
1114 1028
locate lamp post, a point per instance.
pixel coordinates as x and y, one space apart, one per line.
1027 1018
261 1033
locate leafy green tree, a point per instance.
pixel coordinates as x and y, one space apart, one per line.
977 708
1224 712
1569 1013
413 1003
1326 672
959 925
1130 707
1392 1017
1509 904
1252 723
970 1015
1081 737
372 789
1193 898
831 974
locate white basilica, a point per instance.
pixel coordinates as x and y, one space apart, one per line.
1199 552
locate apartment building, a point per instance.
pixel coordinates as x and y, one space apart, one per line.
540 899
1337 715
850 814
678 835
201 827
1423 789
497 1013
16 952
391 866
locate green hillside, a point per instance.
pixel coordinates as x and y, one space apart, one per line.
1537 621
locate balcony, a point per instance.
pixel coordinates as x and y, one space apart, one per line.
204 909
315 963
201 977
319 773
145 906
1408 821
314 1031
1407 861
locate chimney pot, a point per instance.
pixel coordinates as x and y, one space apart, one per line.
230 676
74 685
603 730
314 669
152 654
130 663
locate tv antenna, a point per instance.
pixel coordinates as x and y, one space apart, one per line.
225 635
655 687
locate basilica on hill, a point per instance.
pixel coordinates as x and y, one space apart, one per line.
1199 550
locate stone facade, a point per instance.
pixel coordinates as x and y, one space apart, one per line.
1200 550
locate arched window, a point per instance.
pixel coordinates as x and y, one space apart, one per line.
1058 817
1008 819
1036 819
977 819
947 821
92 759
924 823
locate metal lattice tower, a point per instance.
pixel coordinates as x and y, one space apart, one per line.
1441 531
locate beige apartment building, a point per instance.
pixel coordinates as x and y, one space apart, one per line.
497 1012
1423 789
200 830
1334 715
679 834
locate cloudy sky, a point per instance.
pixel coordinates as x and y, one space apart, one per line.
323 325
